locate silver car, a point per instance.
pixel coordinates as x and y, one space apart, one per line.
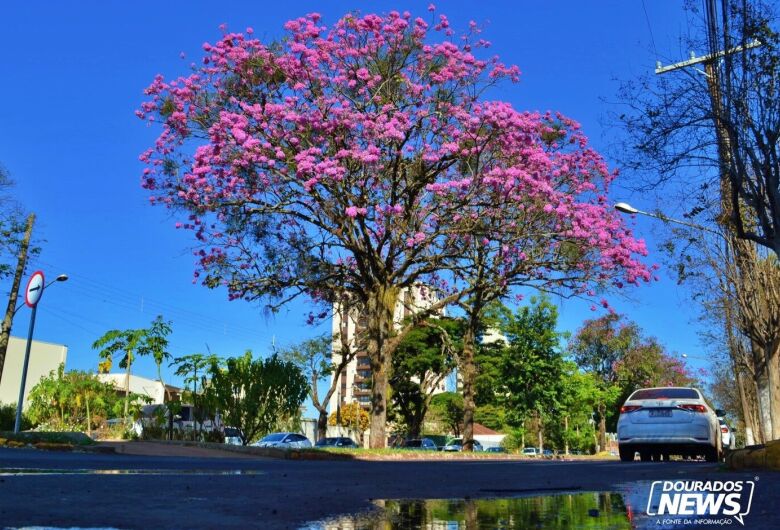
658 422
457 445
284 440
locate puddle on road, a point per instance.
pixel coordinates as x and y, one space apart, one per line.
21 471
562 511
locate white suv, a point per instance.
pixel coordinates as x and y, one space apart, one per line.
658 422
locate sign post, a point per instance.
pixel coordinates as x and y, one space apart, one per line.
32 296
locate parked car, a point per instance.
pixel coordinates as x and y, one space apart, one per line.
284 440
548 452
420 444
664 421
232 436
727 436
495 449
457 445
338 441
530 451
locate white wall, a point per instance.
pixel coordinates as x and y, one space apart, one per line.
45 357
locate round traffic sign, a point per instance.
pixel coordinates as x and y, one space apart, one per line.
34 289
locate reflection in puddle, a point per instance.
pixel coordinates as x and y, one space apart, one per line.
564 511
5 472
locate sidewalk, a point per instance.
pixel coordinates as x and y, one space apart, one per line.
765 456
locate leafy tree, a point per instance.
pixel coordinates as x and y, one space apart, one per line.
74 399
491 416
623 360
357 172
352 416
256 394
314 357
194 370
125 343
447 408
532 364
15 235
155 344
129 343
579 395
424 358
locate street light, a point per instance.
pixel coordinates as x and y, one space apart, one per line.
627 208
32 295
60 278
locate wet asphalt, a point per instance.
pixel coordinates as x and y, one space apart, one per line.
56 489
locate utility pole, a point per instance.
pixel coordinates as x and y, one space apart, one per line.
743 255
5 333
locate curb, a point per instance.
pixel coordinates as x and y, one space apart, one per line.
766 456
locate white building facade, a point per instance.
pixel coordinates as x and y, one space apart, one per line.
45 357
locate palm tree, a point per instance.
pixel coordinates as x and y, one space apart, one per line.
123 342
155 343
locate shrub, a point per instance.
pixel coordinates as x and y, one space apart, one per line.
8 418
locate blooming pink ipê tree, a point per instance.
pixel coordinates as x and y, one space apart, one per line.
344 163
543 221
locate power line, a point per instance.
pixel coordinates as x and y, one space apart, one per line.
650 28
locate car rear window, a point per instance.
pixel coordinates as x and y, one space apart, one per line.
665 393
273 437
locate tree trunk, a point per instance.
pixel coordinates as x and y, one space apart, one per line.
773 377
415 426
5 332
468 372
522 435
322 423
602 445
540 432
747 416
380 309
566 435
762 394
89 416
127 389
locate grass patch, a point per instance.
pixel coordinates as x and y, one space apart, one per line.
406 454
43 437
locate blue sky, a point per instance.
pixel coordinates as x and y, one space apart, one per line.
73 74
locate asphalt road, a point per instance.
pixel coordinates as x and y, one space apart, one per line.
197 492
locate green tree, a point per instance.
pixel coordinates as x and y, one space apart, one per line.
531 364
120 342
256 394
314 357
194 369
74 399
155 344
423 359
623 359
447 408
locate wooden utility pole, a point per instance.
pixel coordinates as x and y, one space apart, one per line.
5 333
742 254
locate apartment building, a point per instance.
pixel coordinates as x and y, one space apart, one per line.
355 380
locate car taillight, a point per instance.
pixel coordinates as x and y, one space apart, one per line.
625 409
724 429
694 408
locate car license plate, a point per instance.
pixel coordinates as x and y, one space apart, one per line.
662 413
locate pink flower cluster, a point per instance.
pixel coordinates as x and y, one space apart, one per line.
368 136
